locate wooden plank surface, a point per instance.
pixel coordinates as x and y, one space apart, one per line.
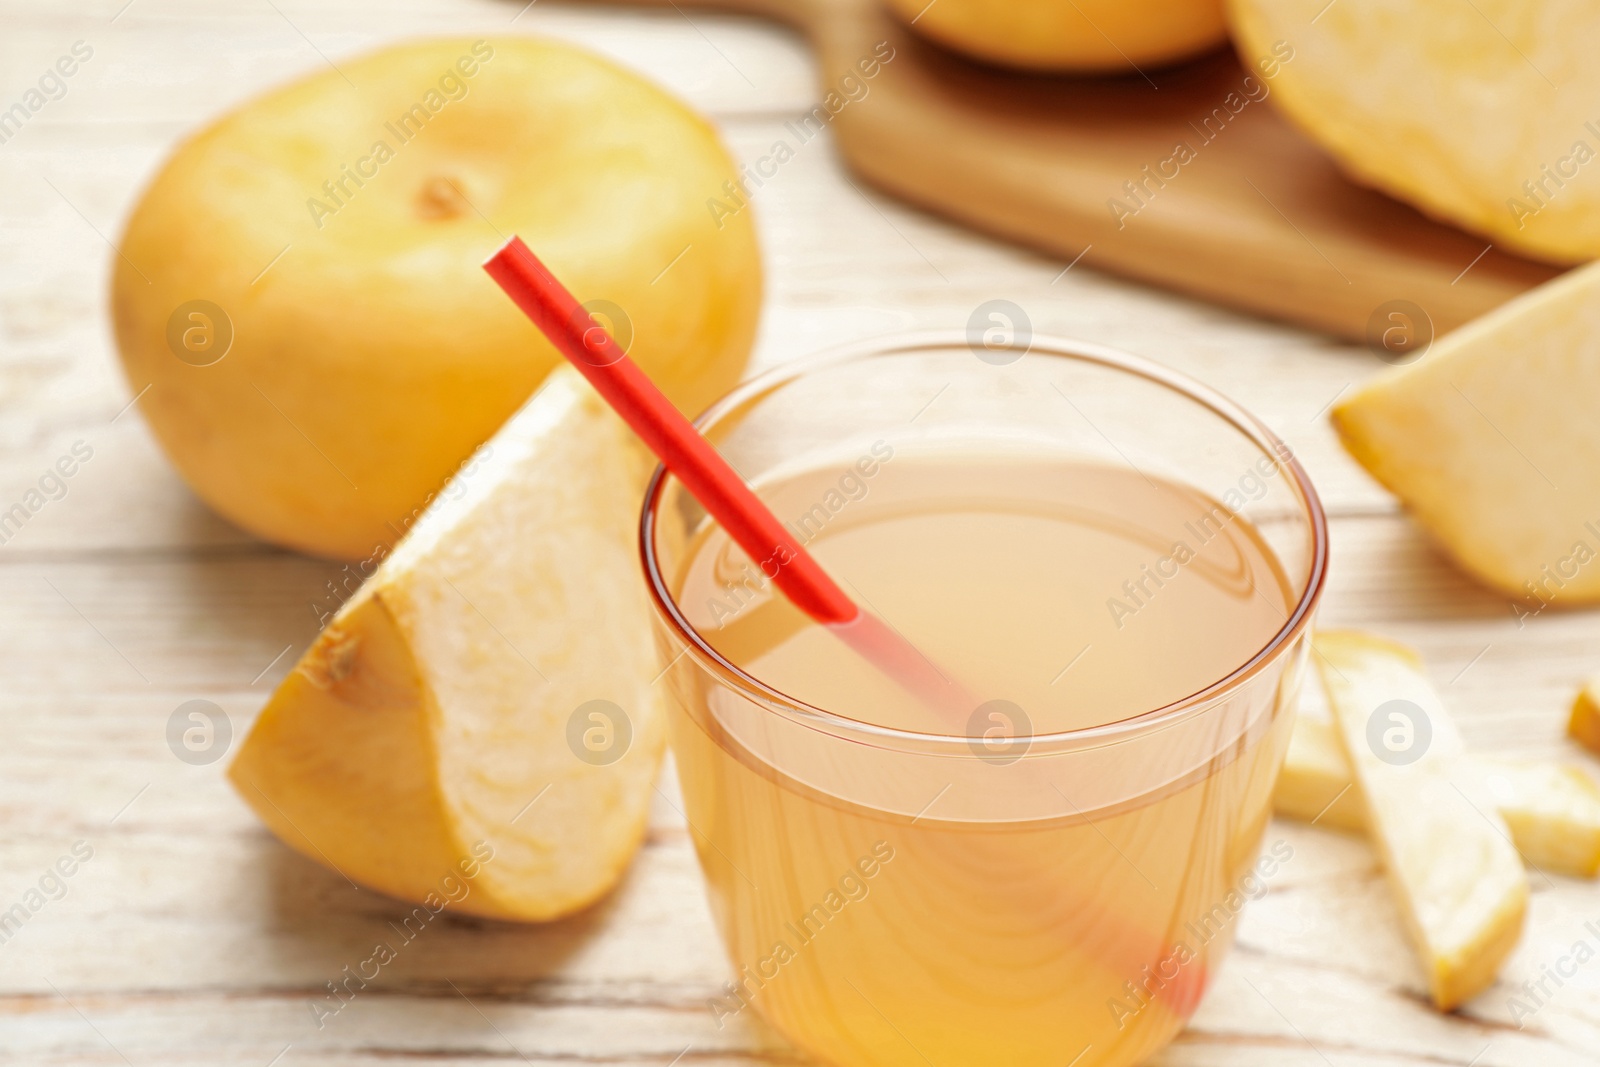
192 937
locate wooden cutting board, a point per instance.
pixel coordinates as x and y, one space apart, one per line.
1258 219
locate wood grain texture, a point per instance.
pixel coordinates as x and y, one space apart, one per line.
1259 218
193 937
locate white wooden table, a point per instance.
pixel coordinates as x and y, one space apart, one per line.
192 937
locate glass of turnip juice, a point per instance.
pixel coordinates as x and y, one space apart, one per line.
1119 567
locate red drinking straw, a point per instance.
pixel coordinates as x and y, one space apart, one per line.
708 477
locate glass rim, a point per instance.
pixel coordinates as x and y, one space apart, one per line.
754 689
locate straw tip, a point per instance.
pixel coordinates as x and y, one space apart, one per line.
512 246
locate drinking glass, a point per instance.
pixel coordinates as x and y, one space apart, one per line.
895 897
